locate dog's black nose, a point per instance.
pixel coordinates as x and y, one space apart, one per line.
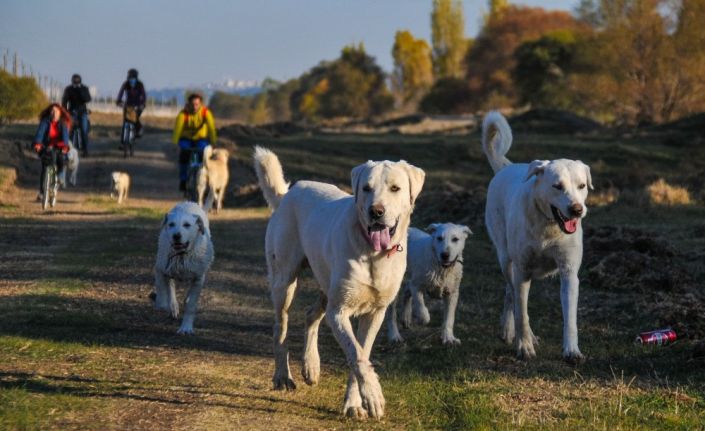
445 256
376 211
576 210
177 237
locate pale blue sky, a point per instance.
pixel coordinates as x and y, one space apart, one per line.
175 42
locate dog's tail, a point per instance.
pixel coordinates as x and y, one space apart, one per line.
496 140
270 176
207 155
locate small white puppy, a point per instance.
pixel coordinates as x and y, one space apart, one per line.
533 217
435 266
121 186
185 254
72 165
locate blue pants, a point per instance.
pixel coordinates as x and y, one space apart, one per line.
188 147
81 120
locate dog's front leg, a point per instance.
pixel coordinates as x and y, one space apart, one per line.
393 335
191 305
451 302
173 303
524 336
420 310
569 302
161 287
363 395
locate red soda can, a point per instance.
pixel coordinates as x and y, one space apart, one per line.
659 337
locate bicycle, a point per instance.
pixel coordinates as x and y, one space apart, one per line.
50 181
195 171
129 127
76 135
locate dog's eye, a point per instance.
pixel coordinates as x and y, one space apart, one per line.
581 186
454 239
558 186
367 188
440 238
394 189
187 225
172 224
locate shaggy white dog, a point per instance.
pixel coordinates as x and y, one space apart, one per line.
533 217
355 246
434 264
121 186
185 254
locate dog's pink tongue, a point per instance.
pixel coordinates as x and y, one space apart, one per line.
571 225
379 239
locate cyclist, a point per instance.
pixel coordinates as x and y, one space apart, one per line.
74 100
135 96
53 132
193 131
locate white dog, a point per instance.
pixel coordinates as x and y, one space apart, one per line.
355 246
72 165
216 162
533 217
435 266
185 254
121 186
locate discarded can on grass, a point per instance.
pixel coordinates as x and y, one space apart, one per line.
659 337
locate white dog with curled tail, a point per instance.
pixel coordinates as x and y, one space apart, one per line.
534 218
185 254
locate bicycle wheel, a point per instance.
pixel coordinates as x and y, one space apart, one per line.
54 188
132 139
46 181
125 137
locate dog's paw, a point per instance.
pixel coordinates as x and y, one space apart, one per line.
283 383
450 340
185 330
311 371
525 350
534 339
395 338
371 395
423 318
573 357
355 412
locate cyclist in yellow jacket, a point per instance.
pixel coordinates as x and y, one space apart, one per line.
193 131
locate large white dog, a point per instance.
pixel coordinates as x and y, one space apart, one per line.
185 254
356 247
533 217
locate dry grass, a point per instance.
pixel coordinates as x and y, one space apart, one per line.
662 193
603 197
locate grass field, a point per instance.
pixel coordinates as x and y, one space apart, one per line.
81 347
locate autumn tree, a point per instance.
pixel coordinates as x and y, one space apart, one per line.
413 68
490 62
448 38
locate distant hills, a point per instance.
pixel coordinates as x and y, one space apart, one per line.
231 86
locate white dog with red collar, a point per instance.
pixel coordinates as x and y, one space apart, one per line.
355 246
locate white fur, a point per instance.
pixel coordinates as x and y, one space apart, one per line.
121 186
216 162
526 234
186 224
72 165
323 225
435 266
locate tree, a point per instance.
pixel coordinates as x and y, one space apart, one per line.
259 113
497 8
490 62
447 96
542 68
448 38
20 98
413 67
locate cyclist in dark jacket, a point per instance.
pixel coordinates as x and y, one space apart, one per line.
135 96
74 100
53 132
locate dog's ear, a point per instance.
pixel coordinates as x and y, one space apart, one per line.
201 225
432 228
356 176
587 175
536 168
416 180
166 218
466 231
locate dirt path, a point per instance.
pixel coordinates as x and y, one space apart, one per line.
76 281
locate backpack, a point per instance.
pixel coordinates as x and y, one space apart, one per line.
204 112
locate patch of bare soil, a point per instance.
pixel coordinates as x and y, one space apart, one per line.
642 263
553 121
452 203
